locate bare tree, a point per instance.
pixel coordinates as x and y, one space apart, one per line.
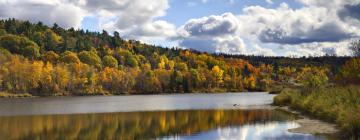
355 47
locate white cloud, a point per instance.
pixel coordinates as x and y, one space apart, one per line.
318 28
129 17
288 26
48 12
153 30
215 34
258 50
224 24
319 49
133 18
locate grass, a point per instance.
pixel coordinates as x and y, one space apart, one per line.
335 104
12 95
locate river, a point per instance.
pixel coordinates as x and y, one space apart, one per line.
230 116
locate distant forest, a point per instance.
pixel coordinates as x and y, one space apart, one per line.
47 61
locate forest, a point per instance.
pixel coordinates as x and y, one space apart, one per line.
37 60
50 61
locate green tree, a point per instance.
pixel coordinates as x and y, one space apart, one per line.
110 61
2 32
52 40
91 58
69 57
31 52
20 45
132 62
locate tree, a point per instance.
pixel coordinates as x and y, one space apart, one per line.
84 80
2 32
116 40
22 76
147 82
195 78
246 70
51 57
350 72
69 57
116 81
52 40
110 61
218 75
125 57
20 45
31 52
132 62
164 78
250 82
176 81
181 66
312 77
91 58
61 78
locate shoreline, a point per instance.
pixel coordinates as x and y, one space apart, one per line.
309 125
5 95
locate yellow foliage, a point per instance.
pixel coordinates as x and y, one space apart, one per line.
218 74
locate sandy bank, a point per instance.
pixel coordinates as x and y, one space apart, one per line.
311 126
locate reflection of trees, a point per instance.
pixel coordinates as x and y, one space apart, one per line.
135 125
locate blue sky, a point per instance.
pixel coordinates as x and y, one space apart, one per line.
251 27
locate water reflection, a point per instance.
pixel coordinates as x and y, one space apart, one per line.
195 124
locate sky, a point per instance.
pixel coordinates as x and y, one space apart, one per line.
250 27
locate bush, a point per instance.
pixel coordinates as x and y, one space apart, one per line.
336 104
282 99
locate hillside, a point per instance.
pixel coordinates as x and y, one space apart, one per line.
43 60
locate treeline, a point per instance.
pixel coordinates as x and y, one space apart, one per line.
298 62
40 60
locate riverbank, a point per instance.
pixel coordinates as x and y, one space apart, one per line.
27 95
11 95
340 105
310 125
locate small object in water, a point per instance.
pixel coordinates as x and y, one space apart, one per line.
235 105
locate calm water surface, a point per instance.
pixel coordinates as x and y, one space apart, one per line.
231 116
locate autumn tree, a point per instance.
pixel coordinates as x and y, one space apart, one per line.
116 81
110 61
147 82
350 72
164 78
51 57
218 75
91 58
312 77
51 40
69 57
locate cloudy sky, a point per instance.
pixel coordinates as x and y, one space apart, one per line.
260 27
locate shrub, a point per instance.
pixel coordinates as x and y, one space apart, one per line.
336 104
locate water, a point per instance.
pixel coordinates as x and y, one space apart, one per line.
175 117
